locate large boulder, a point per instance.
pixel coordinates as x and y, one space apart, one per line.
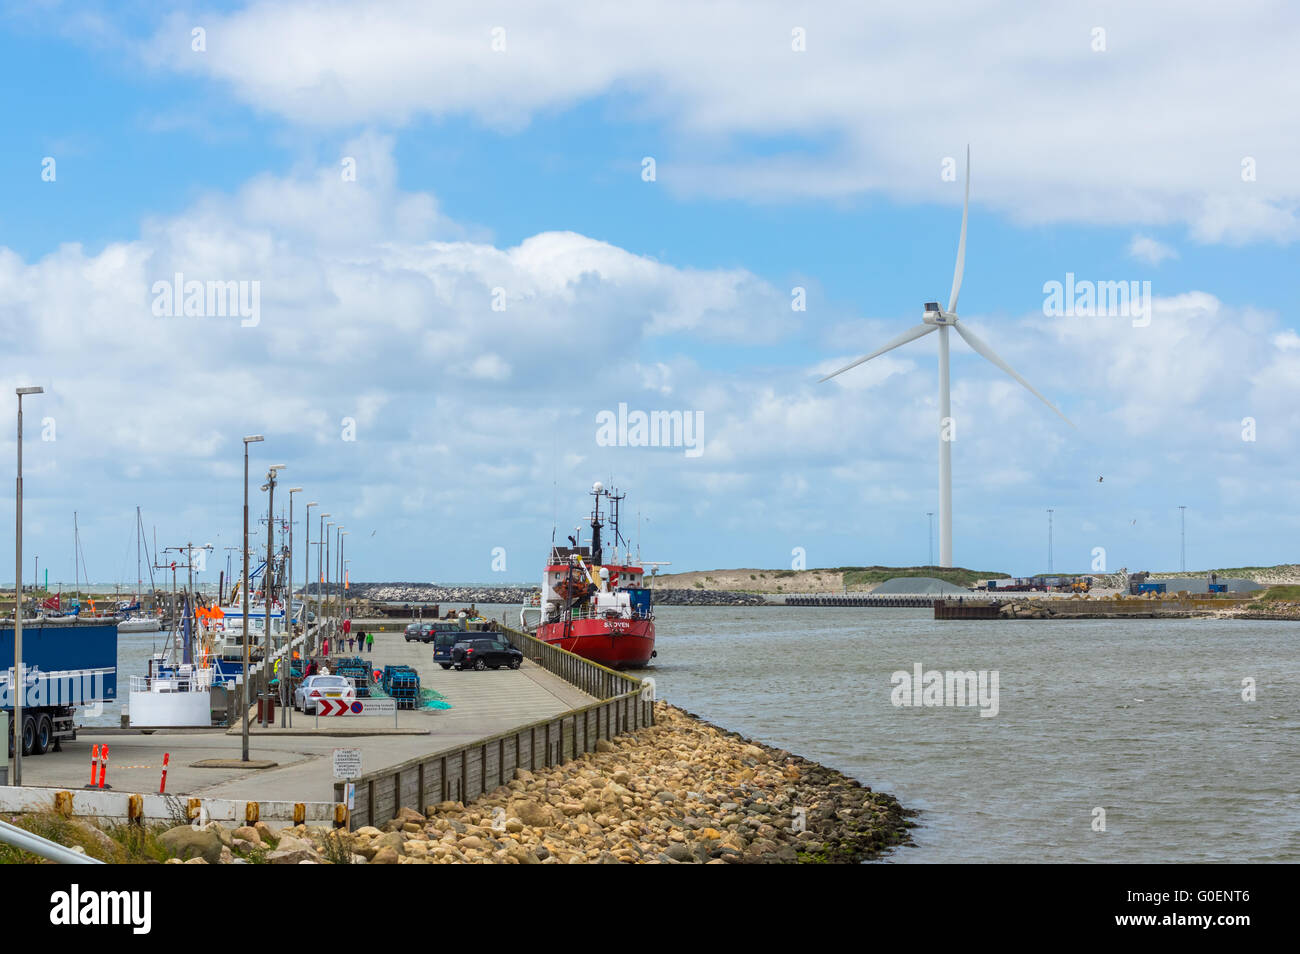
293 856
186 843
532 813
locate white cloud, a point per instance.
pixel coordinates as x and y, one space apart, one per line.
1148 250
456 403
1060 131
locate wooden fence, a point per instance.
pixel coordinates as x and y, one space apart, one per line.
466 772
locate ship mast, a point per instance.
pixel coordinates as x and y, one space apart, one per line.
597 557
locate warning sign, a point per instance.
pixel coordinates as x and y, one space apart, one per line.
347 763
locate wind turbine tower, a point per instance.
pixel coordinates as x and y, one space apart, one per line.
936 318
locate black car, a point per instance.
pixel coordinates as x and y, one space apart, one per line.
485 653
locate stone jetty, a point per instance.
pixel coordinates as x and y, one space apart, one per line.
434 593
680 792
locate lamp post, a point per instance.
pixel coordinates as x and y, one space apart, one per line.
243 685
287 661
16 686
329 631
1049 539
268 578
320 580
306 578
342 579
1182 537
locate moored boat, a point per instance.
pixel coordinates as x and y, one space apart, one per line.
599 610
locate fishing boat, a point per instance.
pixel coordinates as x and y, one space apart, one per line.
188 683
597 609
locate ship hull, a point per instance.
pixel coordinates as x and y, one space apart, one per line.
616 643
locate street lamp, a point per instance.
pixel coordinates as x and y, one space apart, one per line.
16 686
268 578
306 578
243 685
320 574
326 585
343 580
287 659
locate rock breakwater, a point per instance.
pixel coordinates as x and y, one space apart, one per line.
680 792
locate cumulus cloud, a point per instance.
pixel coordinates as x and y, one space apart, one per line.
385 374
1145 249
1065 125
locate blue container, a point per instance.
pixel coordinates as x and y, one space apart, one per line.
68 663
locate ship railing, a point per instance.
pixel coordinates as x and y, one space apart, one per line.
586 612
183 679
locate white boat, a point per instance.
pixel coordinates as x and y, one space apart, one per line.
171 697
139 624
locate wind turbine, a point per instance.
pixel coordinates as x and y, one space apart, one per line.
936 318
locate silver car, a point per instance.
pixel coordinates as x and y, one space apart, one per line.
321 687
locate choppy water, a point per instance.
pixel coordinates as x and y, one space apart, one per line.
1143 718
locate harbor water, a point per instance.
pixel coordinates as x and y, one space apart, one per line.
1142 718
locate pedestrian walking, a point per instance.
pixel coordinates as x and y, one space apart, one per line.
370 643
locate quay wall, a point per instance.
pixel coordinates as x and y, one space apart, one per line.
463 773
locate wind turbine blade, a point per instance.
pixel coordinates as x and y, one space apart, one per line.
961 245
910 334
984 351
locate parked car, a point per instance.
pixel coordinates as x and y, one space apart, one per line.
423 632
485 653
321 687
444 640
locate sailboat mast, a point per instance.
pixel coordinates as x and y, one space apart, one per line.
138 581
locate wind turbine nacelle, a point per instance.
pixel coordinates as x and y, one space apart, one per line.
934 315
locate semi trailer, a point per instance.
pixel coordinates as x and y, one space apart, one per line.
68 664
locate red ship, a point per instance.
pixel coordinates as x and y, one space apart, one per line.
601 611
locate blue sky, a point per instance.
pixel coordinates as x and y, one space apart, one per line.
520 169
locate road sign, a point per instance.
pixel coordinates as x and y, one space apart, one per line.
374 707
333 707
347 763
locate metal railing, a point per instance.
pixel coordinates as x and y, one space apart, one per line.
24 840
592 678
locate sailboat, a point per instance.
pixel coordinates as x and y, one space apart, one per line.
132 618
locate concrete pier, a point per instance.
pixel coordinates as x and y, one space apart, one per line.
483 704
